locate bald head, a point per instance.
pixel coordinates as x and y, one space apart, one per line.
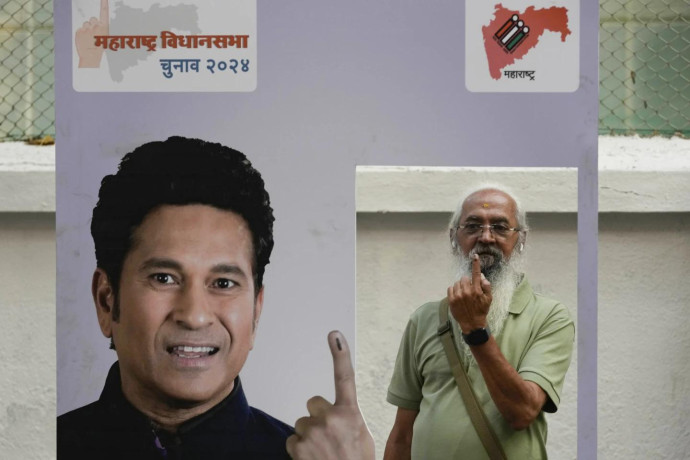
473 191
489 199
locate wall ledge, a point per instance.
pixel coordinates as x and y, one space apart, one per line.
635 175
27 177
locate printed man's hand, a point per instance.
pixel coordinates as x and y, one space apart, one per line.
470 299
334 431
89 54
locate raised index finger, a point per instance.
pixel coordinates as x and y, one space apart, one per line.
345 390
476 271
105 13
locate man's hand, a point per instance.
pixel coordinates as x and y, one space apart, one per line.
470 299
334 431
519 401
89 54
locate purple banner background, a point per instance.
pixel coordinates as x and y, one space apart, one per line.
339 85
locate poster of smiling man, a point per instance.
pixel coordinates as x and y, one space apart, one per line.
206 219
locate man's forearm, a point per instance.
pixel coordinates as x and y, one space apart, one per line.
399 450
518 400
399 444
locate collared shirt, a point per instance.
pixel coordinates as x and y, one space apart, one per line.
536 339
111 428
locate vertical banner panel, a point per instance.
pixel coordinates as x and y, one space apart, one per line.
338 86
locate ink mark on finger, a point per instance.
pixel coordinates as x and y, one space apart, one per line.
337 342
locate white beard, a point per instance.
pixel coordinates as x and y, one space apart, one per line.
504 280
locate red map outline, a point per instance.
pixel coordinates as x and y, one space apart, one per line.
553 19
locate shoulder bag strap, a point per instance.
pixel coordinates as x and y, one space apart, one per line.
479 420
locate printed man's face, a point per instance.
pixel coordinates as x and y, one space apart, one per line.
187 306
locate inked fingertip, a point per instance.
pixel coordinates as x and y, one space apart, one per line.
337 340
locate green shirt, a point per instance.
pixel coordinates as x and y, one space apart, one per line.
537 340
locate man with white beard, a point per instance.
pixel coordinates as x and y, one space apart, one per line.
514 345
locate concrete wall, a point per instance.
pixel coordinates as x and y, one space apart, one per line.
644 299
27 303
644 257
644 345
403 261
644 316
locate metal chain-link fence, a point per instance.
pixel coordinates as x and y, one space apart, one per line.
644 67
27 97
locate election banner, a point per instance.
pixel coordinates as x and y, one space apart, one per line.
310 91
165 46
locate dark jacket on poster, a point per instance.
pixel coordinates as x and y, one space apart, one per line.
111 428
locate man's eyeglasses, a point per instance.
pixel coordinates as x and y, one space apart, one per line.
497 230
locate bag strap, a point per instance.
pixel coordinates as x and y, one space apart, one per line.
479 420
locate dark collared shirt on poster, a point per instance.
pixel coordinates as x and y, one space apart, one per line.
111 428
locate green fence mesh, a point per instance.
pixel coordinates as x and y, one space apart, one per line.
27 97
644 67
644 72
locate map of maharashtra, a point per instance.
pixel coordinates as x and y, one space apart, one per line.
128 20
511 35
